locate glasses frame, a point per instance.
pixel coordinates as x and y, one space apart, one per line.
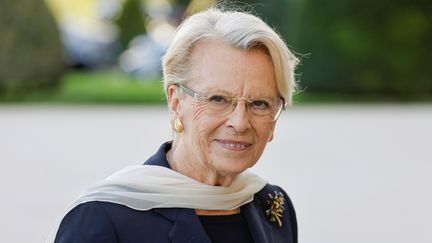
200 97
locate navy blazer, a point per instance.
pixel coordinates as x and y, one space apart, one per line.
104 222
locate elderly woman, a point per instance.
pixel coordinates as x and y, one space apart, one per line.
228 76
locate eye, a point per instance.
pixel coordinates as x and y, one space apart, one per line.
259 104
218 99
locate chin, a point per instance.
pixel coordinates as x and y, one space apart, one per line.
232 166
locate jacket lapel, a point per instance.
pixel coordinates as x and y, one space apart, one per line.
186 225
261 232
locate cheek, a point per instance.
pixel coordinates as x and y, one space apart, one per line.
204 123
202 126
198 117
263 134
265 131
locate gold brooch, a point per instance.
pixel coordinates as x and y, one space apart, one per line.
277 208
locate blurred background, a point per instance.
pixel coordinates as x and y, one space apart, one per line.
81 97
109 50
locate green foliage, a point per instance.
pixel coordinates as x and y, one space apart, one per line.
97 87
275 13
30 48
131 21
183 3
110 87
367 46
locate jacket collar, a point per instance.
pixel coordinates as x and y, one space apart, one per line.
186 224
159 158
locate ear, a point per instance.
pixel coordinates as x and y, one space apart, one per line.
173 97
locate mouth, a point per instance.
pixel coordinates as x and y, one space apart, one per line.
233 145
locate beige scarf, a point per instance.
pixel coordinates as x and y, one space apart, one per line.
143 187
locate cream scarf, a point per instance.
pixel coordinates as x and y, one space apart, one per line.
143 187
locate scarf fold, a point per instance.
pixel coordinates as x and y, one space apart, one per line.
143 187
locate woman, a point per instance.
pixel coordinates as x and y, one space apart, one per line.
227 77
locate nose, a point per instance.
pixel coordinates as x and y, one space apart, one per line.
238 119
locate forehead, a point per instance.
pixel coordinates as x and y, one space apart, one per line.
219 66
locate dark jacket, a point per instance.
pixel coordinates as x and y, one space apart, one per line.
103 222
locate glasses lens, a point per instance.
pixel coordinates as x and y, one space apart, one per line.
219 104
265 109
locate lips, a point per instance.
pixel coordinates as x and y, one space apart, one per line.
234 145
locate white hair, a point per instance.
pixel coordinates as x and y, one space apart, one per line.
238 29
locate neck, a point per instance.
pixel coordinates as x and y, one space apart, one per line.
181 161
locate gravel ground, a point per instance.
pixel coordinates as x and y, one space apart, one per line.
355 173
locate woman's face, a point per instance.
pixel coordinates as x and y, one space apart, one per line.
226 144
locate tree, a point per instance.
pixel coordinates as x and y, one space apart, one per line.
131 21
367 46
30 48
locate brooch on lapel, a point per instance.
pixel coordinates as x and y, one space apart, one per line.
276 203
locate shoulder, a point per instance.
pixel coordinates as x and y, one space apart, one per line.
110 222
289 218
87 222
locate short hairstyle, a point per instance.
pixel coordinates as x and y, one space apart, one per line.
238 29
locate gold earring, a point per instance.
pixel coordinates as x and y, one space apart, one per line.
178 126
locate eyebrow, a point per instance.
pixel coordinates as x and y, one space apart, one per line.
226 93
219 91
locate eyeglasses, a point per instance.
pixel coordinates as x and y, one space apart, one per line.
265 109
